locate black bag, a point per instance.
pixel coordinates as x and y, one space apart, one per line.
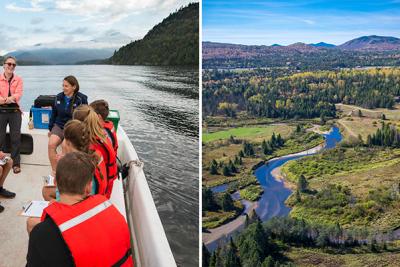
44 101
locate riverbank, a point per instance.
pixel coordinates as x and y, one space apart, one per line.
213 236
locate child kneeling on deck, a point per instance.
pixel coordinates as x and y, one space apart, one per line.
80 230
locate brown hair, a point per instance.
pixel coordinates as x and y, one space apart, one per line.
86 114
8 57
74 171
76 132
101 107
74 82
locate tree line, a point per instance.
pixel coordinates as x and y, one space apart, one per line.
302 95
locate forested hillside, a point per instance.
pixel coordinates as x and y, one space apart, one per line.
174 41
358 52
272 93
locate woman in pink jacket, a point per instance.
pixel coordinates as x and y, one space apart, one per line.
10 112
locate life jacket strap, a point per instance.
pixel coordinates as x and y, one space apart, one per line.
123 259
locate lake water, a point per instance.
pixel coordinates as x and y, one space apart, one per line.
159 111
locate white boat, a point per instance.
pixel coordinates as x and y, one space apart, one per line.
132 198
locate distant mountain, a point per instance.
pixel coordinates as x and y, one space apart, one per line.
372 42
275 45
174 41
58 53
322 44
60 56
302 56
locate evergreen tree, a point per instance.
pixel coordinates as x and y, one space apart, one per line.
383 116
302 184
241 154
298 128
213 168
231 257
206 257
268 262
298 196
273 141
237 161
226 171
232 167
280 140
227 202
209 202
359 113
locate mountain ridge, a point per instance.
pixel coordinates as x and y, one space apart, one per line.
174 41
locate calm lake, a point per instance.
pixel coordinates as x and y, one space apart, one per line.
159 111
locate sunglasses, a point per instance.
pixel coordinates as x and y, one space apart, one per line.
10 64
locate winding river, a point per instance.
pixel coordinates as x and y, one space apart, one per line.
272 201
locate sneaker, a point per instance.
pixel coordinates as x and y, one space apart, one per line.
1 208
7 194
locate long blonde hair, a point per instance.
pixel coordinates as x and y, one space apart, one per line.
87 115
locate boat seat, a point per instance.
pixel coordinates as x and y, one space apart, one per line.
26 144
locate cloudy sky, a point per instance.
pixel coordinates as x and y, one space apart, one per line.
309 21
24 23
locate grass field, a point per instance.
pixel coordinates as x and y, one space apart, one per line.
391 114
306 257
371 177
352 127
255 134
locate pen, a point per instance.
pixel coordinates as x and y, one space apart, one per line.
27 208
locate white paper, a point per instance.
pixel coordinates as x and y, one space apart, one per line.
4 160
48 180
34 208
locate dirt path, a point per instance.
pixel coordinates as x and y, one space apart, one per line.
347 128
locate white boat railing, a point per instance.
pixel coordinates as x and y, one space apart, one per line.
150 244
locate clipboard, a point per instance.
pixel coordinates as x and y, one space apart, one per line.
34 208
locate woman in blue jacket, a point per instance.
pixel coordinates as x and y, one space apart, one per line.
63 108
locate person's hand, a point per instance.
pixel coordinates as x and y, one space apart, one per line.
9 100
48 134
59 156
2 100
2 155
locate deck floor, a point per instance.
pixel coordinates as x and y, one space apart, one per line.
13 236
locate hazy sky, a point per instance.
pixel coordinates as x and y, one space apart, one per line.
28 22
308 21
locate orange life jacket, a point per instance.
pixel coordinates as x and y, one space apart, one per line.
110 159
100 175
94 231
109 127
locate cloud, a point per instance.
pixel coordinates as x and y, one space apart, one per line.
35 6
79 31
308 21
35 21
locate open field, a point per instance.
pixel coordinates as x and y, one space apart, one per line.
254 134
391 114
365 192
306 257
352 127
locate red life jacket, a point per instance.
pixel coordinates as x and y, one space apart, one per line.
94 231
110 159
100 175
109 127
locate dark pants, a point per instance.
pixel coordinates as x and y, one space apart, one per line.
14 120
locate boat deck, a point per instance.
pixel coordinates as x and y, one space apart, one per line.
149 242
13 236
